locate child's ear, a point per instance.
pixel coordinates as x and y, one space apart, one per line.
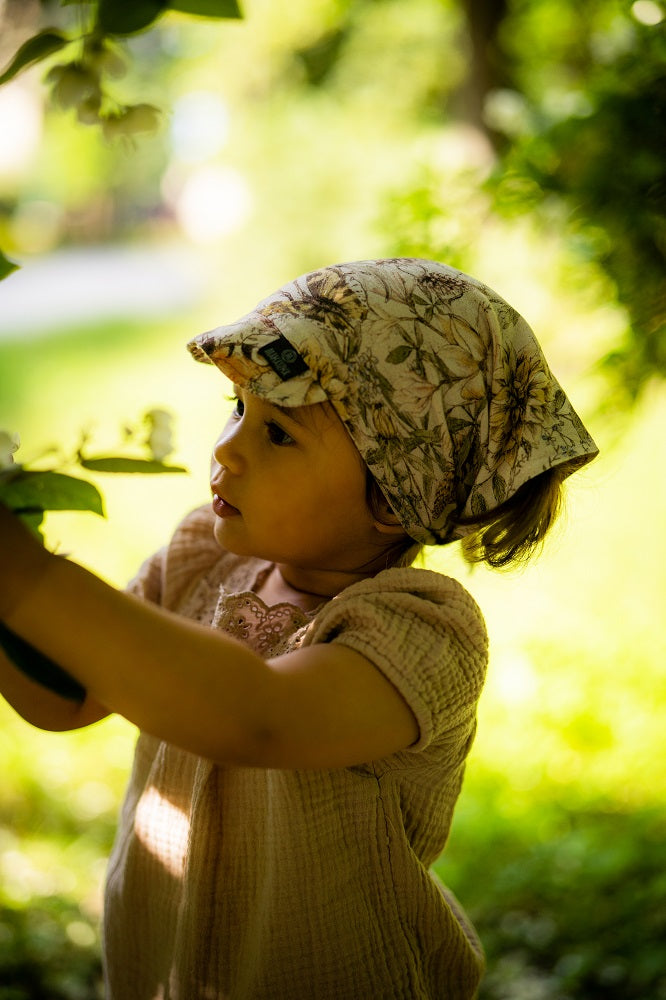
386 521
389 529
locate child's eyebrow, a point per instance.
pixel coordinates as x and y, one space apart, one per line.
290 413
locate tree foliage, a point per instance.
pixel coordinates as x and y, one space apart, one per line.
94 57
585 129
571 96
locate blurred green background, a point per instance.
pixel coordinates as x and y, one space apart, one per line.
520 141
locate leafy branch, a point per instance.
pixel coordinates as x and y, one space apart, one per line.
81 81
30 492
94 57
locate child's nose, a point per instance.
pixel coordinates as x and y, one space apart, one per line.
227 451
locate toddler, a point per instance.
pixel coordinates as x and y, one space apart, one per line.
306 698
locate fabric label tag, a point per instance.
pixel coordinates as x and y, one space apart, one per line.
283 358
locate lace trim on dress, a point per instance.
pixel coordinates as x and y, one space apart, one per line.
269 631
232 607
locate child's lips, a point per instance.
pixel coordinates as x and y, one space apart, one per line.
222 507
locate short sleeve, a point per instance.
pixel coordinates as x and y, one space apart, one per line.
425 633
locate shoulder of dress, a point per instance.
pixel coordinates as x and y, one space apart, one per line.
425 583
406 594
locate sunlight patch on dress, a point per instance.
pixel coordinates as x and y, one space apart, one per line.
155 815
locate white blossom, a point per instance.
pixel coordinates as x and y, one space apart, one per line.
159 440
9 443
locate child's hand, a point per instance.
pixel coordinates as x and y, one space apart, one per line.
22 558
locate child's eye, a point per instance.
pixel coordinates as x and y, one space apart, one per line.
277 436
239 406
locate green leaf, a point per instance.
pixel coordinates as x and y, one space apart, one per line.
33 520
38 47
207 8
399 354
116 17
39 667
7 267
36 491
128 465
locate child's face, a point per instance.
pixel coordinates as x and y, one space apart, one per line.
289 486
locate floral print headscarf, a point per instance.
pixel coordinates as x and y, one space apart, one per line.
441 384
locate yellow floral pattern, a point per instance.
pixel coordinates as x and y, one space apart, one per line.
441 384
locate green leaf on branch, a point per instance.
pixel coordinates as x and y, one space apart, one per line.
31 492
7 266
118 18
131 120
207 8
33 520
38 47
128 465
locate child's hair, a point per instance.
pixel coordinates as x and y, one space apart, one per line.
505 537
516 530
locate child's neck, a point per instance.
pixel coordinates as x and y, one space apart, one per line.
307 591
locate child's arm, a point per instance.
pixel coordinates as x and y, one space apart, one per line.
322 706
